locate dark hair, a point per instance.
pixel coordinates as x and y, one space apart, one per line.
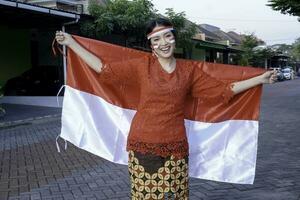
158 22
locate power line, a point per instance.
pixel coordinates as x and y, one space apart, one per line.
243 20
283 39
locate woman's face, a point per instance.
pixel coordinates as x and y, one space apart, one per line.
163 42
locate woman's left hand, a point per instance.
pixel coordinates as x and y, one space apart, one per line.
269 77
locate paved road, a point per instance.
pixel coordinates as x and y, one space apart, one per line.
32 169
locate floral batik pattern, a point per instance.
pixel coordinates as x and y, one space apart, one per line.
159 178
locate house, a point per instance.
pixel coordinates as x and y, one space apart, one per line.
209 36
28 70
212 50
217 35
78 6
237 38
214 45
27 31
280 59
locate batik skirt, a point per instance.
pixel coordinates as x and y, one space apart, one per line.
155 177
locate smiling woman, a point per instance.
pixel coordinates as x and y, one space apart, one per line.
161 38
157 141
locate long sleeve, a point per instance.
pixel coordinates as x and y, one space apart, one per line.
204 86
123 72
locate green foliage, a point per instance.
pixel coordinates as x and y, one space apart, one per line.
284 48
252 55
260 56
248 43
184 31
124 17
295 51
129 18
291 7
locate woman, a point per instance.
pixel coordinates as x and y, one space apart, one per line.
157 142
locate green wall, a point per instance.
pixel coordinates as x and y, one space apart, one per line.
198 54
14 53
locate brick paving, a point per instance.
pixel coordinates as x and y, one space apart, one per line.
31 168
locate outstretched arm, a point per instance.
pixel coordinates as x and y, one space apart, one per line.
90 59
267 77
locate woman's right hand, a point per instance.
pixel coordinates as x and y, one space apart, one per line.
90 59
63 38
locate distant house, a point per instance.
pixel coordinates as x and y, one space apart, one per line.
217 35
277 57
214 45
237 38
208 35
280 59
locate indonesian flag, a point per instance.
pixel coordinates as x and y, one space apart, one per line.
96 117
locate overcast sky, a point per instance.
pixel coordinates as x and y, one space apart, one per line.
241 16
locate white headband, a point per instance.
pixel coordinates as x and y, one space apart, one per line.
159 32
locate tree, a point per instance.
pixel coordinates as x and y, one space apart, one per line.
254 53
126 18
249 42
291 7
261 56
295 51
185 30
129 18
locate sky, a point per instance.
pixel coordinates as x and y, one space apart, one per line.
241 16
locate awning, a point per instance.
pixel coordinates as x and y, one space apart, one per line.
201 44
23 15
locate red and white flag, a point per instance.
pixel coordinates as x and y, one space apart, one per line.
96 117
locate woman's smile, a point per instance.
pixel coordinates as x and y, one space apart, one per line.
165 49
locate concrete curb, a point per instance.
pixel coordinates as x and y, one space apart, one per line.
24 121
